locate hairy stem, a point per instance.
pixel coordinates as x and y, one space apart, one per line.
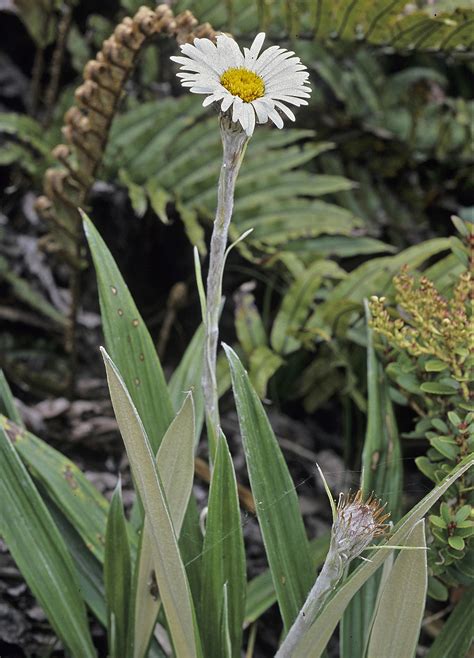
331 574
234 142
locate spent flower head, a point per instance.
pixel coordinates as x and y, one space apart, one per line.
357 524
251 87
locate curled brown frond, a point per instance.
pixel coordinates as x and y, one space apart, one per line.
87 124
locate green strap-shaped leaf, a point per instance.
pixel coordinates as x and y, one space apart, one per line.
129 342
89 572
278 512
318 635
223 562
187 376
457 634
68 487
382 473
39 551
117 576
7 403
175 464
132 349
261 591
170 574
399 614
226 641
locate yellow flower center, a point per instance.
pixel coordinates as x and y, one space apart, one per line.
243 83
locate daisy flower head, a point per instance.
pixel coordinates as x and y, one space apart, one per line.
251 87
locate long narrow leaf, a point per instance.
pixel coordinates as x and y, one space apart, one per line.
382 473
89 572
39 551
175 464
129 342
7 403
261 593
284 536
133 351
170 574
117 576
187 376
318 635
68 487
457 634
223 562
400 611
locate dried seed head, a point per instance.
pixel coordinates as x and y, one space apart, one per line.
357 523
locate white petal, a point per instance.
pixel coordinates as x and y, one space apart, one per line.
290 100
285 69
289 91
205 90
210 60
265 57
276 118
261 110
257 44
285 110
244 117
294 94
208 101
237 109
229 51
275 63
206 46
226 102
251 119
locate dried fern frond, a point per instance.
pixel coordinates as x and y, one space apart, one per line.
87 123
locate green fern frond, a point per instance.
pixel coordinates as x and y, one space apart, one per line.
174 153
446 25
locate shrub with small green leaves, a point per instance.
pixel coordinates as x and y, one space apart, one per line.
427 340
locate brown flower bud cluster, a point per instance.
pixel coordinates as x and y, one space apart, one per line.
87 123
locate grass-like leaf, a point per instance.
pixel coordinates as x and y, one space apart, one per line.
175 464
39 550
223 563
117 576
129 342
7 403
457 635
399 614
187 376
284 536
132 349
261 593
68 487
382 473
170 574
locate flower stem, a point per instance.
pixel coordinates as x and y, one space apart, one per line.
234 142
330 575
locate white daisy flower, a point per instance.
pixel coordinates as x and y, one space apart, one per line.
252 87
